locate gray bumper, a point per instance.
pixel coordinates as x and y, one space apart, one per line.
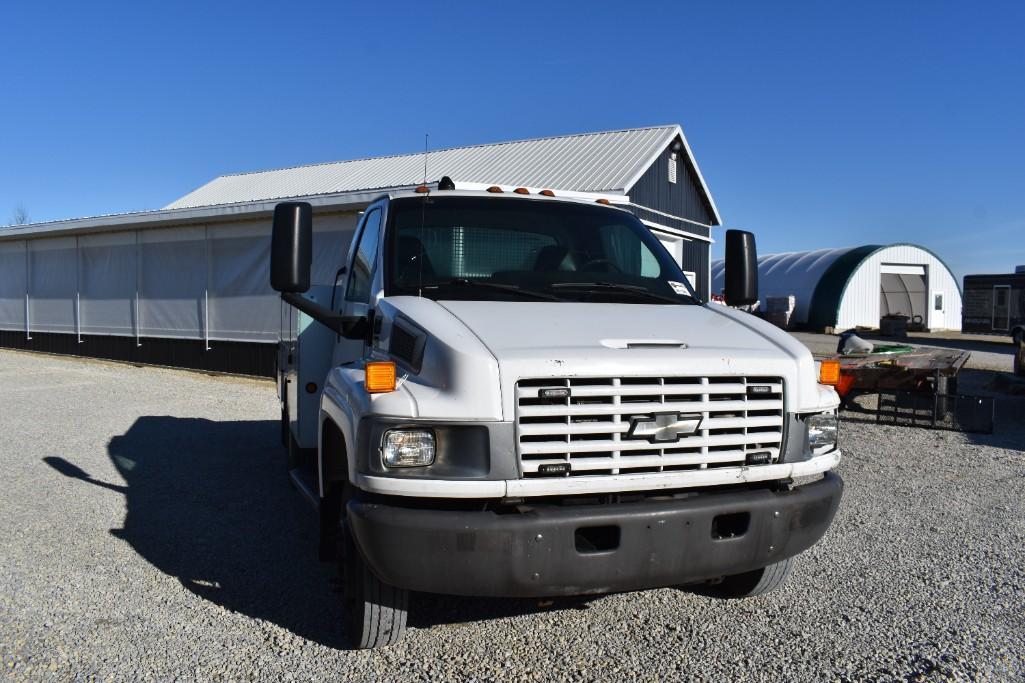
553 550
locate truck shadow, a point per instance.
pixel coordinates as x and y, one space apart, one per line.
209 503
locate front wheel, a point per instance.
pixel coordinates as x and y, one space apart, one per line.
375 612
750 584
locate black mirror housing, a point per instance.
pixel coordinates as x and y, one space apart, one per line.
291 254
741 278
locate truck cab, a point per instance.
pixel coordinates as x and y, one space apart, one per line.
519 394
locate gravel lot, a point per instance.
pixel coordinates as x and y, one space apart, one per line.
147 532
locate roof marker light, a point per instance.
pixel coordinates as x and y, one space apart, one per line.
521 190
422 189
601 201
547 193
495 188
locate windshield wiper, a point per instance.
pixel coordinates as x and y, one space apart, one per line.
618 287
494 286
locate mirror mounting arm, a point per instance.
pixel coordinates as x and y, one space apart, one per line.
350 327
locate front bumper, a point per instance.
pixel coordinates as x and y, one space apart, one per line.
543 552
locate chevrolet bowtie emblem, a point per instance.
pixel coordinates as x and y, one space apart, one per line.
663 427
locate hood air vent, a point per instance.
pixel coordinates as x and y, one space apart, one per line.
406 343
643 344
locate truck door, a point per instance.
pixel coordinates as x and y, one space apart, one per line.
360 281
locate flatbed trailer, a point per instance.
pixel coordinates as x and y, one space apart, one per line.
898 368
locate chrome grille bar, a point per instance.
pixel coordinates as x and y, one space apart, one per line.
591 429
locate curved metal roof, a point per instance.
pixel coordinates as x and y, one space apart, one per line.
795 272
610 162
818 279
800 273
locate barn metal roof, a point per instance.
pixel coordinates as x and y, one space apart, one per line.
609 162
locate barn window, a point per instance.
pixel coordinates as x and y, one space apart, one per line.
672 167
938 302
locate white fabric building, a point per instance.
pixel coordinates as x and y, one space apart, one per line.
855 286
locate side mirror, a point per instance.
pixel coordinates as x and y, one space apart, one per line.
291 251
741 268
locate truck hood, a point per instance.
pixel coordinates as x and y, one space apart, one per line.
534 340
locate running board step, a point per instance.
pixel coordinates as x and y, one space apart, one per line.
306 483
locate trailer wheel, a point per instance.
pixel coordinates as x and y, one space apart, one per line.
750 584
375 612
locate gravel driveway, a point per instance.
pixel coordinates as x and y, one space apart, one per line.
147 532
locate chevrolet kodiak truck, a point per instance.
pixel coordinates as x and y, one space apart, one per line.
513 393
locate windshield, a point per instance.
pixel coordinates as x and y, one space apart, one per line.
506 249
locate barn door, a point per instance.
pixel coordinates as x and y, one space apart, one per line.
1001 307
903 290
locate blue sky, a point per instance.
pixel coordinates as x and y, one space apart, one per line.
815 124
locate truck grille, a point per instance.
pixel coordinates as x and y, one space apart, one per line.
631 425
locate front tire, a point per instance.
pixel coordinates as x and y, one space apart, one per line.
376 612
750 584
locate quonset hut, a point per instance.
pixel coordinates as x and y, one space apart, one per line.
856 286
187 285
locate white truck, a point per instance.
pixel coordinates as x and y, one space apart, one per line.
513 393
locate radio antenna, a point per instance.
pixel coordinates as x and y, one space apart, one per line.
427 137
423 219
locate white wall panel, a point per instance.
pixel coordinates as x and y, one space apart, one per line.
53 276
331 238
242 304
192 282
108 270
12 285
172 282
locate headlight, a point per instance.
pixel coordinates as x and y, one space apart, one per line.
408 448
822 432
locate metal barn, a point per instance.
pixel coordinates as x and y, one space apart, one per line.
187 285
856 286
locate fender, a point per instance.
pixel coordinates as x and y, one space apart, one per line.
345 402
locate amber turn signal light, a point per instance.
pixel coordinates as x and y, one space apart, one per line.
829 372
380 377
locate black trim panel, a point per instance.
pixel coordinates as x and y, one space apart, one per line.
241 358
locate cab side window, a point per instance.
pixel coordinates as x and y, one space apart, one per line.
363 263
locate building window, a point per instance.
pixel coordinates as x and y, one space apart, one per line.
672 167
938 302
